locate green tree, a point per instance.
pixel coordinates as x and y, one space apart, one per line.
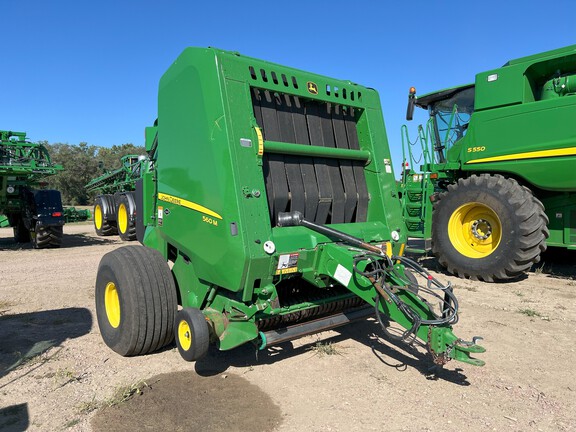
81 164
109 157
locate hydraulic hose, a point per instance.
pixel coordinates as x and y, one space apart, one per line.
379 267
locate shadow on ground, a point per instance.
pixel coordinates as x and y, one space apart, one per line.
216 401
14 418
184 401
68 241
430 263
78 240
24 337
393 354
557 262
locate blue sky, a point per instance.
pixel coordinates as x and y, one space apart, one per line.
80 71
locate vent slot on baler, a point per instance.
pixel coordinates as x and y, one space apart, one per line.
325 190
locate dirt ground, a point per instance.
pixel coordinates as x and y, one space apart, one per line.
57 374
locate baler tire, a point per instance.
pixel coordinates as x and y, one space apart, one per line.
126 225
102 226
488 227
192 334
135 300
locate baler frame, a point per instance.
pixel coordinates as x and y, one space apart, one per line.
238 144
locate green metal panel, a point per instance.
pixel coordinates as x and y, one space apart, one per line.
519 129
561 211
535 141
205 111
521 80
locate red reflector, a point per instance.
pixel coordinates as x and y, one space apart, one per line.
56 214
434 175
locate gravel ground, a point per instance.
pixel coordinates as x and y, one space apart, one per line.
56 373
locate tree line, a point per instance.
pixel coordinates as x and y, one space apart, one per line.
82 163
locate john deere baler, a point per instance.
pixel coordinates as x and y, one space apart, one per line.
268 213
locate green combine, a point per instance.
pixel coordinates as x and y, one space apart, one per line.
268 210
114 206
35 214
497 183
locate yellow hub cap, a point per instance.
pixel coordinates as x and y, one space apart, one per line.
112 304
122 218
98 216
475 230
184 335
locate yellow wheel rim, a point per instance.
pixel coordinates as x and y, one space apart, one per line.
98 216
112 304
475 230
122 218
184 335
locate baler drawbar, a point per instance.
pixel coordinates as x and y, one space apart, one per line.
396 294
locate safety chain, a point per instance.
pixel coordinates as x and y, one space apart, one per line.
442 358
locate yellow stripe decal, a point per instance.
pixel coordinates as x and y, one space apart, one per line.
569 151
260 141
188 204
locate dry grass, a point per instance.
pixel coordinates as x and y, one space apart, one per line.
321 349
125 393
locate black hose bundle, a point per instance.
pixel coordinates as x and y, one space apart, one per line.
380 270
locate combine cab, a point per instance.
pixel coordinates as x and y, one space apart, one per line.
270 193
35 214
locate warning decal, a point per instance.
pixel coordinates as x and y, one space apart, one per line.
287 263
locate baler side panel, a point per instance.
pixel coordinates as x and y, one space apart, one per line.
196 201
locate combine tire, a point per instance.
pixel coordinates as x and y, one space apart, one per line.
192 334
125 211
135 300
47 237
103 207
488 228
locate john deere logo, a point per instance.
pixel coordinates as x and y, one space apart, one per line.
312 88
